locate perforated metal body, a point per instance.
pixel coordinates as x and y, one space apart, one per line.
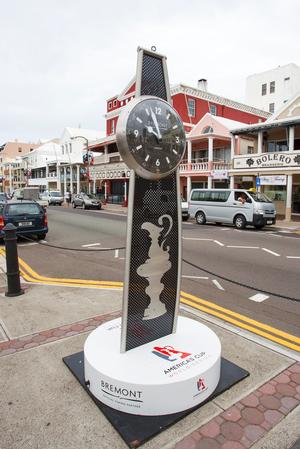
153 250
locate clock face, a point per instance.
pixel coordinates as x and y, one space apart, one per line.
152 140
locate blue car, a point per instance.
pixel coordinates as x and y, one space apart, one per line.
28 216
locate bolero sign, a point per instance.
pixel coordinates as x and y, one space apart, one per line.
268 160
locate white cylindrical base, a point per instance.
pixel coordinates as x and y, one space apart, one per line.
168 375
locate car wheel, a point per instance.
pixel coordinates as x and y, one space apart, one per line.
239 222
200 218
74 205
99 207
41 236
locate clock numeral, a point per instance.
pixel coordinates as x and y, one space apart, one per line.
135 132
174 151
157 110
157 163
168 116
177 139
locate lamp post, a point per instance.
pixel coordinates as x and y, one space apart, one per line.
88 158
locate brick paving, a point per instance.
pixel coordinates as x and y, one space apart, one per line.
238 427
247 421
41 338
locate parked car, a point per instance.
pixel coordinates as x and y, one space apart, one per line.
28 216
236 206
87 201
29 193
184 210
3 197
53 197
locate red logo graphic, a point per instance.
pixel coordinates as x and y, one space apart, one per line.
201 384
169 353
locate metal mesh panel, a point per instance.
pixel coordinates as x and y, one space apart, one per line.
151 201
153 80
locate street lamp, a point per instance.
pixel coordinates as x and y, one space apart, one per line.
88 158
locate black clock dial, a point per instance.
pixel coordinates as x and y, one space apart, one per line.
154 138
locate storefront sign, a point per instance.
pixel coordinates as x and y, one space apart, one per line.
268 160
279 180
219 174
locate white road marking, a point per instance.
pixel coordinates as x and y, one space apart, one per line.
90 244
195 277
259 297
218 243
293 257
217 284
28 244
243 247
116 253
271 252
191 238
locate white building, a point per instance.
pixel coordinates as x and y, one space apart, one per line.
271 89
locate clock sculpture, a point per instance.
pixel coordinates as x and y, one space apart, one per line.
164 365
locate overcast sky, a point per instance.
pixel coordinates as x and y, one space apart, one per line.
61 59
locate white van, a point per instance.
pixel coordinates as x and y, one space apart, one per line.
53 197
234 206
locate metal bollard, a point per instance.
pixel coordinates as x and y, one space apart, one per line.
12 262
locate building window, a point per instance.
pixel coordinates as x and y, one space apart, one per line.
70 148
20 150
115 103
272 87
112 127
109 105
62 149
250 150
287 78
213 109
207 130
271 107
191 107
264 89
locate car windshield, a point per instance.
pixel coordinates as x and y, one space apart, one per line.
259 197
23 209
2 196
56 194
88 196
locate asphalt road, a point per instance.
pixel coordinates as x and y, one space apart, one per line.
265 261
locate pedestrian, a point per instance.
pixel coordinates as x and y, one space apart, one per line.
68 198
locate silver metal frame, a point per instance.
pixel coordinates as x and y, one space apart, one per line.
123 144
123 148
127 261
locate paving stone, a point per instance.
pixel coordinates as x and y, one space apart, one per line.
270 402
77 327
232 445
266 425
221 439
232 431
69 334
298 389
89 328
30 345
39 338
58 333
289 403
254 433
250 401
245 442
242 423
207 443
285 390
27 337
18 344
267 389
273 416
219 419
196 436
186 443
6 344
282 378
232 414
296 378
211 429
252 415
295 368
8 351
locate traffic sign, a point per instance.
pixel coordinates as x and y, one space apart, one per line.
257 182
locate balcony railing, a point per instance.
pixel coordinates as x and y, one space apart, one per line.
198 167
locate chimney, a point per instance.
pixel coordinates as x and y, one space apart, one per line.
202 84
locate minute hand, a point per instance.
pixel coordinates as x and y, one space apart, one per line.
156 124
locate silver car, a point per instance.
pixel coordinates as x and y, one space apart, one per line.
86 201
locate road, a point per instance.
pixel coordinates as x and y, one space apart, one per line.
266 261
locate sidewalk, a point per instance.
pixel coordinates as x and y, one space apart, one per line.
44 407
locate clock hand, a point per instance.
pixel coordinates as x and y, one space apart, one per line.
156 124
151 130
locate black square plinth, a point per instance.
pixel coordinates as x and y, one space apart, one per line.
136 429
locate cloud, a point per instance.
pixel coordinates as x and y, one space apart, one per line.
62 59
